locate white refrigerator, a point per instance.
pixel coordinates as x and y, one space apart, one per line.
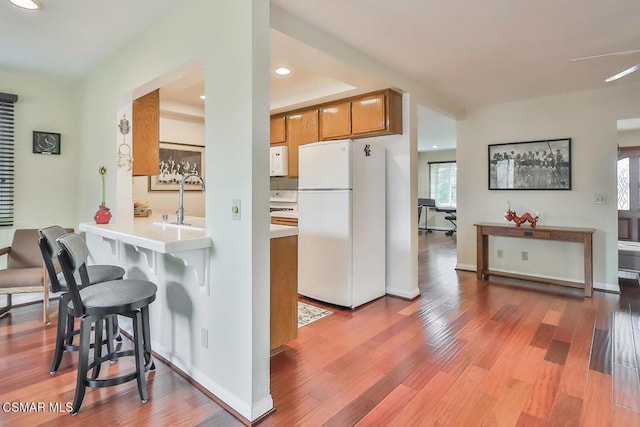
341 221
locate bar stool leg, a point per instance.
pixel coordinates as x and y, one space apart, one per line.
83 362
116 329
108 326
138 345
61 333
97 348
149 365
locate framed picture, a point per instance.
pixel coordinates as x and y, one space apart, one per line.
531 165
176 162
46 142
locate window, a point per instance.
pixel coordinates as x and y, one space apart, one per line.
443 179
7 102
623 184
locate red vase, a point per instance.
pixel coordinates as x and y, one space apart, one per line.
103 216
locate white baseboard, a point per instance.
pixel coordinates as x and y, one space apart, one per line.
403 293
599 286
466 267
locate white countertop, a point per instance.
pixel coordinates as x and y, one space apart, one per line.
148 234
285 214
166 238
283 231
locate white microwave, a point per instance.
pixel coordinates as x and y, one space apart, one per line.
278 161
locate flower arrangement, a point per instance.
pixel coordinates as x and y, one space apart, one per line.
103 172
103 216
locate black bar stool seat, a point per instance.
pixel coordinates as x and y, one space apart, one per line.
96 304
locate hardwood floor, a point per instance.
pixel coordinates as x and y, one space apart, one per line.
465 353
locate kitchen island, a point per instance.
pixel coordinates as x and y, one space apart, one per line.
178 260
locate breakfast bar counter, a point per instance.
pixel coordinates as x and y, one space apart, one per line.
166 237
156 236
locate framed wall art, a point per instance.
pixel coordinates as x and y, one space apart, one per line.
530 165
176 162
46 142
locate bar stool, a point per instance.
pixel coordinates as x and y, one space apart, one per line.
93 305
97 273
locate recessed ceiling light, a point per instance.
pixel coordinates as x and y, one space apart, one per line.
282 71
202 97
26 4
434 146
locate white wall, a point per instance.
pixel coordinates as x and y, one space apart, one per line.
236 364
44 184
401 212
589 118
178 129
434 219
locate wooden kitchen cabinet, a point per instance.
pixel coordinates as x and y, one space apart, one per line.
279 130
335 121
146 134
302 128
284 290
377 113
278 220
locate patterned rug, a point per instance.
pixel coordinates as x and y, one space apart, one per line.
309 314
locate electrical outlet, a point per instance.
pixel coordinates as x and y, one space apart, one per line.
499 253
600 199
525 256
204 337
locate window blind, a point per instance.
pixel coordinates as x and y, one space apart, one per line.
7 102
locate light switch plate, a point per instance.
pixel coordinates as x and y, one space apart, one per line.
235 210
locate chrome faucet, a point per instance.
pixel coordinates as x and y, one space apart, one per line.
180 211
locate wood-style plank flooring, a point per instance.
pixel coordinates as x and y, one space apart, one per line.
465 353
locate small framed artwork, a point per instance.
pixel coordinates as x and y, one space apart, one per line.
530 165
46 142
176 162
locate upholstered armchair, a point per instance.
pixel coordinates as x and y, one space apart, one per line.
25 270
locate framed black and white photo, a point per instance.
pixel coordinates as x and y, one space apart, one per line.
176 162
46 142
531 165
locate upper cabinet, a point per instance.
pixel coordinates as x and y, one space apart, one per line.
146 134
278 130
377 113
371 114
302 128
335 121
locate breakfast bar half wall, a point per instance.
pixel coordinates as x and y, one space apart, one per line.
177 259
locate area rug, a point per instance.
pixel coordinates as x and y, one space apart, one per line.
309 314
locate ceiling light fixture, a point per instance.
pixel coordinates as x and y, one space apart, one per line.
26 4
623 73
202 97
434 146
282 71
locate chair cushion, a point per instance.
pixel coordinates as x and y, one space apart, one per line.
18 277
117 296
97 274
25 252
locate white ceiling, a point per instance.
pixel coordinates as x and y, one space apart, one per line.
470 53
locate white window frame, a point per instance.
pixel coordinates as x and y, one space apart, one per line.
450 200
